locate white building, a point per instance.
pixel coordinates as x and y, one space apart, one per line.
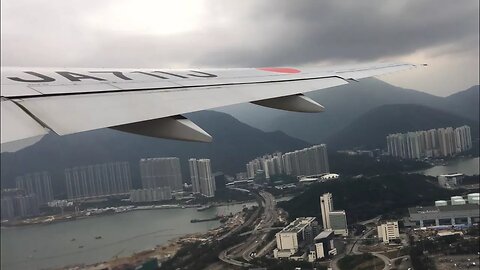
326 206
450 180
473 198
298 233
201 176
388 231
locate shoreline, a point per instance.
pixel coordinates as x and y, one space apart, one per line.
43 220
161 252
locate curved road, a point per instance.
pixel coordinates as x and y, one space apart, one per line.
258 234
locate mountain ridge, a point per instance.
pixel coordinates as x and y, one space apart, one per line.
344 104
369 130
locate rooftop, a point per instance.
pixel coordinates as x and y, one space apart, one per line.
446 208
298 224
323 235
452 175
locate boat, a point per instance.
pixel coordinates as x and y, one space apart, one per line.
80 246
73 239
205 207
98 237
205 219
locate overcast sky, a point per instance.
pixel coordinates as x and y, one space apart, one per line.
249 33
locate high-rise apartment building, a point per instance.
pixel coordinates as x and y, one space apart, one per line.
440 142
38 184
17 203
269 164
161 172
201 176
326 206
98 180
308 161
7 207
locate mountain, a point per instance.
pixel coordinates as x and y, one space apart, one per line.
344 104
369 130
465 103
235 143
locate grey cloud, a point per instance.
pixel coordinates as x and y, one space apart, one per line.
262 33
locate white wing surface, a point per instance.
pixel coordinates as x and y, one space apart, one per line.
151 102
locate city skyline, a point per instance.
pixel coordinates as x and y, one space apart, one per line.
304 162
441 142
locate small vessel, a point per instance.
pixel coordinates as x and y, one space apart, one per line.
98 237
206 219
80 246
73 239
205 207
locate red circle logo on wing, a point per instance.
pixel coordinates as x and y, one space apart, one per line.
280 69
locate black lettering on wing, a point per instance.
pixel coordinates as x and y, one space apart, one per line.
41 78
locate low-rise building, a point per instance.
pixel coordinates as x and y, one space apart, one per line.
295 236
388 231
461 214
450 180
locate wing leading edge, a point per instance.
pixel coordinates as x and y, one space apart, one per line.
66 102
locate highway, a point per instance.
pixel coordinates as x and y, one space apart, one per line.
263 224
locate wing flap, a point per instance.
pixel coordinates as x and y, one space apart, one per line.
16 124
77 113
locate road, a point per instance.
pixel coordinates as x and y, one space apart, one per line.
262 223
354 250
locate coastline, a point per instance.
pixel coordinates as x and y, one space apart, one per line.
165 251
52 219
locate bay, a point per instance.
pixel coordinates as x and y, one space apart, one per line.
51 246
468 166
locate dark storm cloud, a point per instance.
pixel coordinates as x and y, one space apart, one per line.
360 30
259 33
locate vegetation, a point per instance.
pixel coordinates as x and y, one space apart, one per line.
347 165
365 198
282 179
446 245
471 179
360 262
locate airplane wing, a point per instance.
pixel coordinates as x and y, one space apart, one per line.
151 102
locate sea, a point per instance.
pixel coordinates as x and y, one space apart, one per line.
59 244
